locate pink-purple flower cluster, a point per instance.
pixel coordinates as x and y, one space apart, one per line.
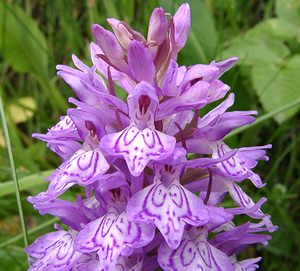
154 170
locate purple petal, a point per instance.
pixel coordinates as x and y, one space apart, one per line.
121 79
131 263
191 99
110 236
158 26
169 208
241 198
182 24
247 265
217 216
83 168
65 149
87 262
235 167
62 138
70 213
64 129
140 62
169 81
110 46
138 147
123 35
251 154
209 162
82 116
224 124
98 117
194 253
236 239
111 181
114 101
224 65
138 109
197 72
182 118
216 91
53 251
247 205
86 83
219 110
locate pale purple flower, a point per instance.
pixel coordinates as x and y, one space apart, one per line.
194 253
53 251
154 171
140 142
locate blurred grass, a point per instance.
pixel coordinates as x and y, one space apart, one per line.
37 35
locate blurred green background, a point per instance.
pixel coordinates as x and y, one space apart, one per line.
265 35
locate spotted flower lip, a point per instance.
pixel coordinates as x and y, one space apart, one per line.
140 142
194 253
112 235
53 251
150 172
169 208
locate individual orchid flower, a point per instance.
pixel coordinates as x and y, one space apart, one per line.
62 138
235 239
218 123
83 168
167 204
248 206
113 234
53 251
194 253
239 166
140 142
169 208
85 82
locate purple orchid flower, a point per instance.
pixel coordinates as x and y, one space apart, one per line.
140 142
153 171
194 253
53 251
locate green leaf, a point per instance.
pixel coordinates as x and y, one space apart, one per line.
252 52
289 10
277 28
274 71
25 183
277 85
262 44
23 45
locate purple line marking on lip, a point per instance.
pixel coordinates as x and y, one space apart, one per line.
191 252
158 194
205 253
